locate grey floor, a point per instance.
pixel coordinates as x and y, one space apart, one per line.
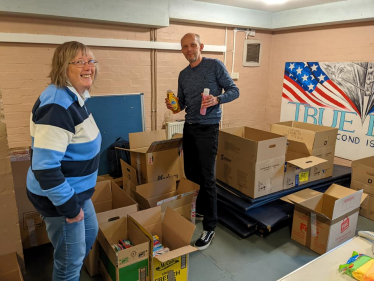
228 258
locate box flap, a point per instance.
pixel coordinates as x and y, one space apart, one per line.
297 146
176 253
8 263
148 216
186 186
307 162
301 196
145 139
364 196
115 214
135 150
293 133
177 231
128 172
103 192
120 198
368 161
157 188
347 199
164 145
237 131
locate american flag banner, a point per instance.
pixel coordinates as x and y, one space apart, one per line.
335 94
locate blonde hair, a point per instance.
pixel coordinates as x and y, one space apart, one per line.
64 54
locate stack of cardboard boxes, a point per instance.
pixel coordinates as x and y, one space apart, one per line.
251 160
168 209
363 179
110 203
258 163
10 237
319 141
164 193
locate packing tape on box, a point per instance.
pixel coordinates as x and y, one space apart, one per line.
32 233
313 221
138 168
150 159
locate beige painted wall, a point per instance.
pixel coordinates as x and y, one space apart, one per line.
24 67
24 70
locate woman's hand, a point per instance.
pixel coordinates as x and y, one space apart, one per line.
77 218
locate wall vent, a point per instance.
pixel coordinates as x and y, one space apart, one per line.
252 53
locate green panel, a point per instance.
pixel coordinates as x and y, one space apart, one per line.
131 272
110 267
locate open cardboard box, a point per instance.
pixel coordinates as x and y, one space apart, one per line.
319 140
363 178
130 264
164 193
9 268
110 203
251 160
323 221
154 157
300 166
174 232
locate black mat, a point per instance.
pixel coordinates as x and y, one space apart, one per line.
243 227
246 216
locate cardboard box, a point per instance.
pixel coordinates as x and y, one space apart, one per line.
323 221
110 203
164 193
154 157
32 227
251 160
175 232
10 237
130 264
362 178
9 268
105 177
319 140
300 167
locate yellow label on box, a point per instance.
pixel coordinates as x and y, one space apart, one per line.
304 176
178 267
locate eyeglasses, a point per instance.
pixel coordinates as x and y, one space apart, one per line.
82 63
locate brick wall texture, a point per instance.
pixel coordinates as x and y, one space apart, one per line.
24 68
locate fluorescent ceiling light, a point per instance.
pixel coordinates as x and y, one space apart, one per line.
271 2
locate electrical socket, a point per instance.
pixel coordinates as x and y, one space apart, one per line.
234 75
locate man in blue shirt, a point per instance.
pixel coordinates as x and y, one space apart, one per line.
200 134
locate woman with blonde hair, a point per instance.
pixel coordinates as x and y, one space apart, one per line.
65 159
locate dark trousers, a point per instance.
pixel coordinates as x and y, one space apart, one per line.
200 144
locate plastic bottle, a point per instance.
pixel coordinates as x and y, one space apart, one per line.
205 96
174 102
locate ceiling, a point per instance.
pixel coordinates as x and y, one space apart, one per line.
260 5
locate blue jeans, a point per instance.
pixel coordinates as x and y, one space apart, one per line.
72 242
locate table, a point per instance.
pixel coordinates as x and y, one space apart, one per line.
325 267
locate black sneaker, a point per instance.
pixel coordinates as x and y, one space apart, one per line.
205 239
199 217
